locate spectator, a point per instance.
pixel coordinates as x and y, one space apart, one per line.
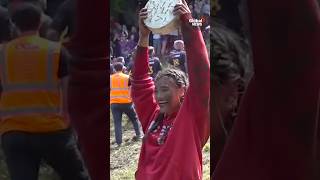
154 63
120 59
116 44
125 45
134 32
198 4
178 57
45 19
64 18
121 102
131 44
157 44
34 118
167 42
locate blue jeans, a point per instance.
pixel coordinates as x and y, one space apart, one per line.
117 111
157 46
24 153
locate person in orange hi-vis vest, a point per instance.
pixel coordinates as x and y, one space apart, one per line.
34 123
121 102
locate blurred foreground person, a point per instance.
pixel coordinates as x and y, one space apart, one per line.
5 30
276 134
34 120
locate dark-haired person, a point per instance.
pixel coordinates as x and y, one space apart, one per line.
121 102
45 19
34 121
174 113
154 63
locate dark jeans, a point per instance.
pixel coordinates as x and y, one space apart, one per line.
117 111
25 151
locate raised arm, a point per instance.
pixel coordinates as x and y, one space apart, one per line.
142 84
198 93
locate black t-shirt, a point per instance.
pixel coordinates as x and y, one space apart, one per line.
178 59
154 66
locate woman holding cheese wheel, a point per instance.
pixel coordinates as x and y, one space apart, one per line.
174 113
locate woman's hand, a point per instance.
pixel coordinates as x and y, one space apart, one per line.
143 30
181 8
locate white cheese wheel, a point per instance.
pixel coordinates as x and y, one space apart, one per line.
160 16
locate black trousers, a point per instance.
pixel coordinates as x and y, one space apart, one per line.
25 151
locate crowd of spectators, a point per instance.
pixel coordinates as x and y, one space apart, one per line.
124 37
57 20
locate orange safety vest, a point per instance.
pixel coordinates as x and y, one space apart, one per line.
31 98
119 89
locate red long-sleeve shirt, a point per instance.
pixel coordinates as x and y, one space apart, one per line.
89 83
276 135
180 157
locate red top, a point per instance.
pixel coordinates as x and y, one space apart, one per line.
276 135
180 155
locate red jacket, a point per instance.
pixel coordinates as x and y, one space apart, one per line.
89 83
180 157
276 135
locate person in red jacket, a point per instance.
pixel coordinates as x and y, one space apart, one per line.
276 134
230 73
174 115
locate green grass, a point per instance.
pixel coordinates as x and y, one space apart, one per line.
124 160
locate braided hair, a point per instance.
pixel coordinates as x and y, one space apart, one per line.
228 46
177 75
229 67
230 64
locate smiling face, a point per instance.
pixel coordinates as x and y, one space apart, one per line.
168 95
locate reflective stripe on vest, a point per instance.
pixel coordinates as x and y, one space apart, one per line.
45 92
114 97
119 89
29 111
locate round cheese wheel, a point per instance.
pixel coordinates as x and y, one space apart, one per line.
160 16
